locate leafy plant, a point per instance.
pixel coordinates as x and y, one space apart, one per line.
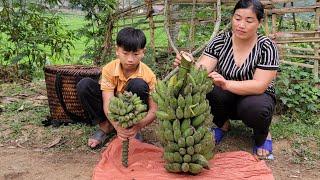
98 16
298 95
30 36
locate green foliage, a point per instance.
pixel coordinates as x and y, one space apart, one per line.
298 96
29 37
98 15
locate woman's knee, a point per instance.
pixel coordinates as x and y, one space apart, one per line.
256 111
220 97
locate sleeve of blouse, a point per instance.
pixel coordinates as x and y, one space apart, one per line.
213 47
269 59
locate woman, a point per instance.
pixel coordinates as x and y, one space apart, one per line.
243 65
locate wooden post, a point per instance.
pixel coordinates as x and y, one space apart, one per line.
281 18
192 28
266 24
316 45
294 18
274 21
151 27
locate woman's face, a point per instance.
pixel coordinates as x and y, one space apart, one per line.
245 23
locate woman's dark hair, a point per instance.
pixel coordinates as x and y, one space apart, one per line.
131 39
256 6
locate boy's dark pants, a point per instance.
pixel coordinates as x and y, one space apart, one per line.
90 96
255 111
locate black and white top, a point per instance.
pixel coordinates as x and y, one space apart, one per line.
264 55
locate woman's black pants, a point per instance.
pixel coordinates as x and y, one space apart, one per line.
255 110
90 96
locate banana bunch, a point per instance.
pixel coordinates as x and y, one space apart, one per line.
127 109
185 117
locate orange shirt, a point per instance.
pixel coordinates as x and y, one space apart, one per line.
113 79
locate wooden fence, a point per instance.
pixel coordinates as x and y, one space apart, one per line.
153 15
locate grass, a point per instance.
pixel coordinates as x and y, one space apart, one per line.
21 118
305 140
74 22
22 114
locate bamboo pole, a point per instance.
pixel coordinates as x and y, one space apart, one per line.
297 40
281 18
166 25
294 35
316 45
201 1
274 23
215 31
192 28
294 18
151 27
266 24
297 64
292 10
315 58
310 50
264 2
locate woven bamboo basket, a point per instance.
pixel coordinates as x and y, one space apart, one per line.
61 82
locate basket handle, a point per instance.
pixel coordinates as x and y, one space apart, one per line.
58 87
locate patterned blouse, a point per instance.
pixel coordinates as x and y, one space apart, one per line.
264 55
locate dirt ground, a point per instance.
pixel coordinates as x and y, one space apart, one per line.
19 161
22 163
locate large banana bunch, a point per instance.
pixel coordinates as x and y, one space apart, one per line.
127 109
184 119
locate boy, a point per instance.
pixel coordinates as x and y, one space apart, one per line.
128 73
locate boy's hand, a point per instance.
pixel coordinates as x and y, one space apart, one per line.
124 133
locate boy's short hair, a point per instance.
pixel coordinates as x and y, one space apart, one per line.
131 39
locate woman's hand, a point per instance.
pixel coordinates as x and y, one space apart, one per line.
219 80
177 60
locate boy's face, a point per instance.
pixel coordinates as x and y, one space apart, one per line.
129 59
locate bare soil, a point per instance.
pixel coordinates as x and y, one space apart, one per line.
24 163
35 157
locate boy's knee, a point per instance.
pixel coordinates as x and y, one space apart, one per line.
83 85
137 85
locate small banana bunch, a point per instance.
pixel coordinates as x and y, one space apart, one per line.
185 117
127 109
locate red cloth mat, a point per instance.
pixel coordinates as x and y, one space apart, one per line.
145 162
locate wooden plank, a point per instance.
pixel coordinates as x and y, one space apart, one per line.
202 1
297 64
286 35
296 48
301 56
292 10
317 46
264 2
274 23
297 40
197 21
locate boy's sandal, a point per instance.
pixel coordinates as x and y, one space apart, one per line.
218 134
139 137
99 136
267 145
